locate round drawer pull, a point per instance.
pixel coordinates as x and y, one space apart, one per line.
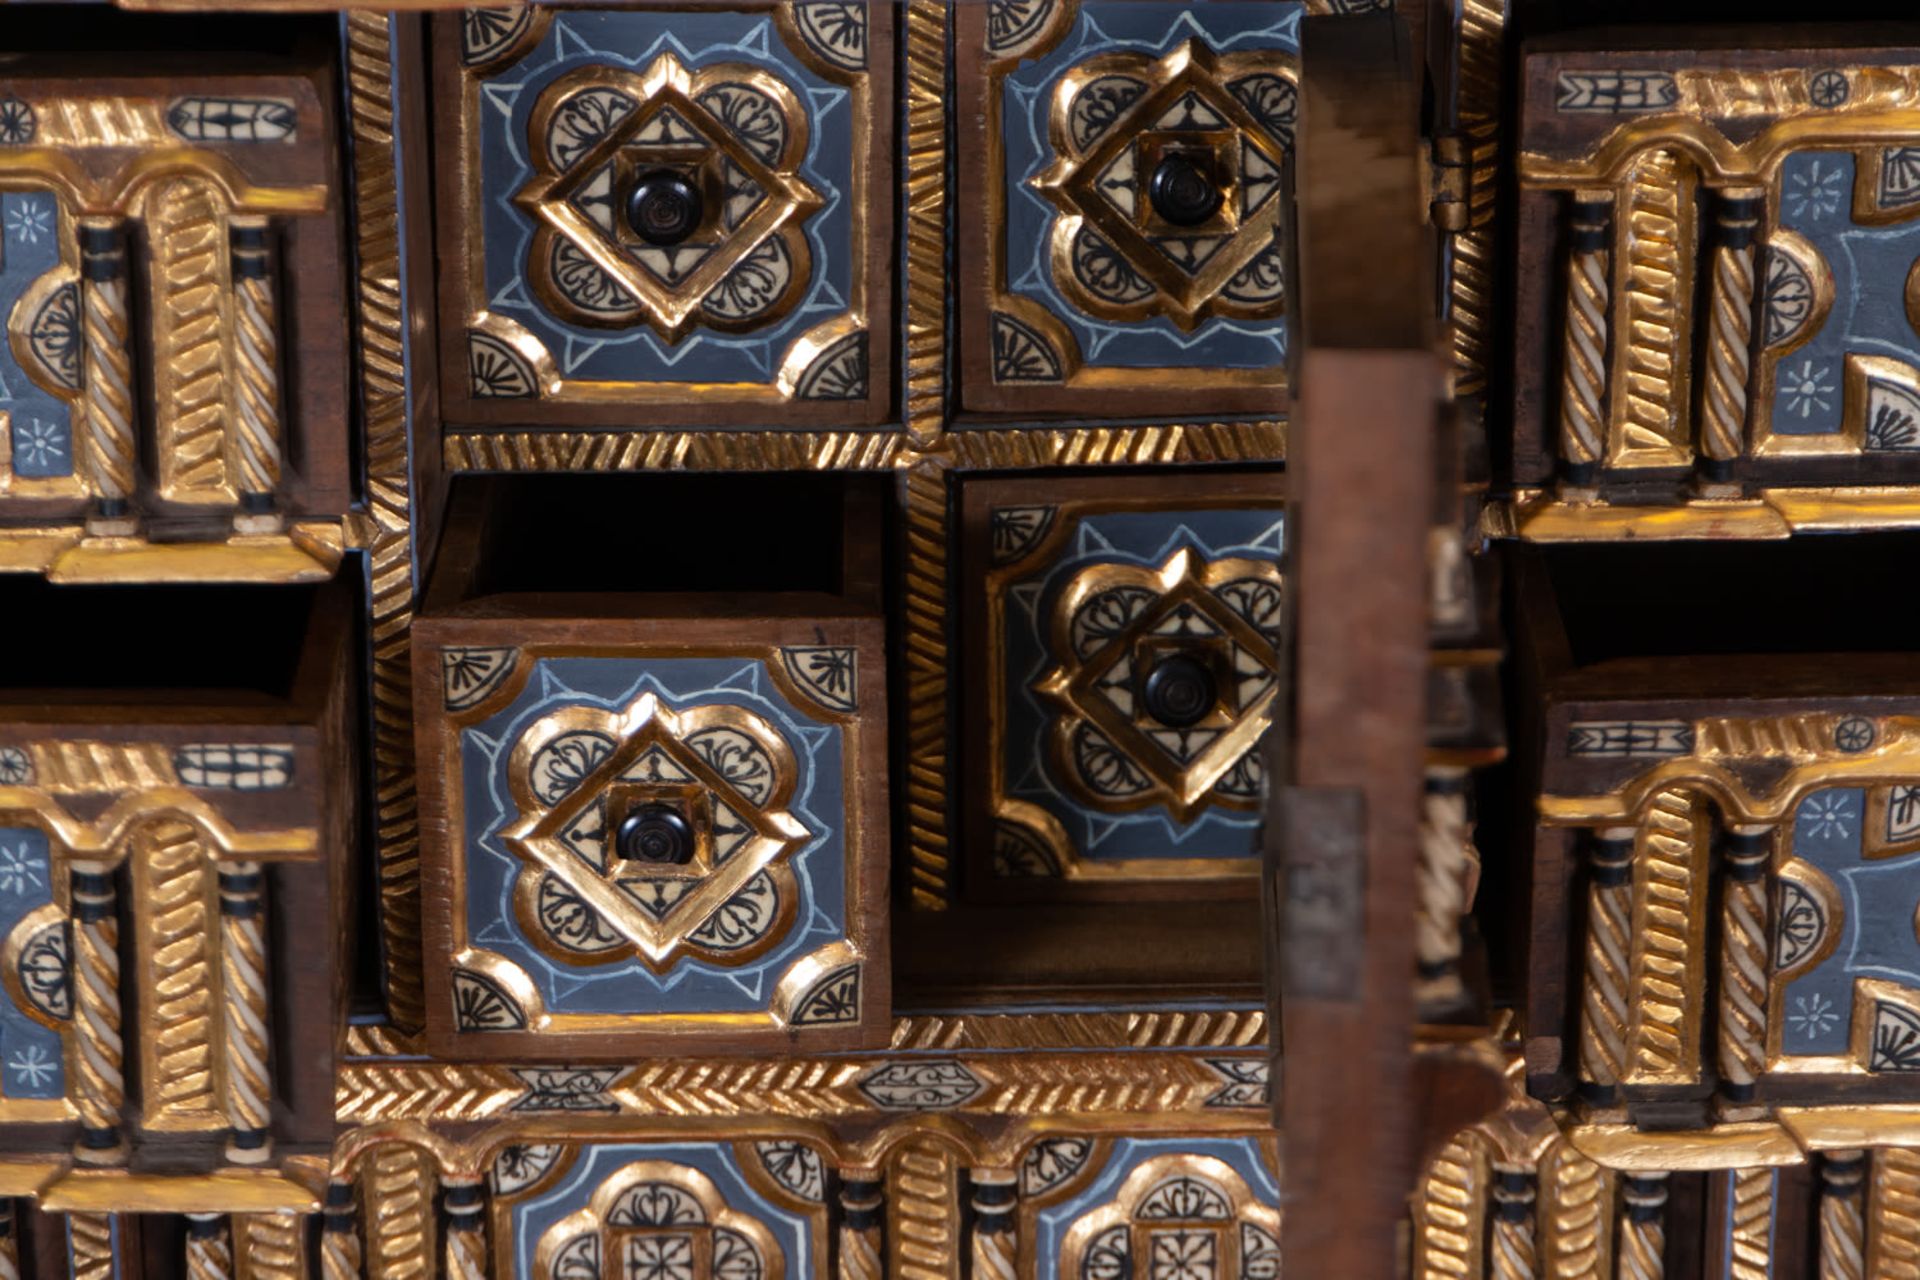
1181 691
1183 191
656 833
664 207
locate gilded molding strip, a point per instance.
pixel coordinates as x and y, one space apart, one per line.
1895 1233
1579 1216
381 338
466 1240
1515 1250
994 1246
1452 1212
862 1211
272 1246
192 313
923 1211
1603 1022
397 1187
926 234
90 1246
1843 1227
1583 379
243 997
209 1252
256 362
1655 253
1446 852
1744 949
1750 1225
1643 1227
174 879
107 339
101 1091
340 1252
929 859
1668 936
968 449
1482 26
1723 393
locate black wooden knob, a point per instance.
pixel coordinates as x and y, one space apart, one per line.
664 206
655 833
1183 191
1180 691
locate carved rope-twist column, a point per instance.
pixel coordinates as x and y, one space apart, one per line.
1445 854
1723 392
209 1250
1843 1221
243 997
862 1211
1743 961
993 1243
1643 1228
107 341
257 364
96 972
1516 1250
466 1242
9 1242
1603 1023
1583 380
340 1252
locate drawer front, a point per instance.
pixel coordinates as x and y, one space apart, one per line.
1716 248
691 210
1128 657
643 848
1122 214
173 280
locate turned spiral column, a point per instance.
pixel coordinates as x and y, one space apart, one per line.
209 1249
256 365
1643 1227
1843 1222
1446 852
466 1240
993 1251
1723 388
1603 1021
243 996
1743 961
1583 375
340 1251
862 1211
108 385
101 1091
1515 1252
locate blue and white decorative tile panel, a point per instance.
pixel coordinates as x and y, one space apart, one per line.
566 132
39 987
1088 772
1837 334
40 366
694 1209
1164 1207
1845 947
1160 79
755 788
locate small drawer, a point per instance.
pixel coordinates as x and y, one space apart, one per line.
1122 664
1120 213
173 273
177 834
1724 817
666 216
655 788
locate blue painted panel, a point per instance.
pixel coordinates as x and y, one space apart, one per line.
30 1058
41 423
633 39
1103 26
690 985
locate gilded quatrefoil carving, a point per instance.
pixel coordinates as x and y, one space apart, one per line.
1123 629
714 780
1166 179
669 197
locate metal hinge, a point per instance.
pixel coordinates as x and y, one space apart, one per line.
1450 182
